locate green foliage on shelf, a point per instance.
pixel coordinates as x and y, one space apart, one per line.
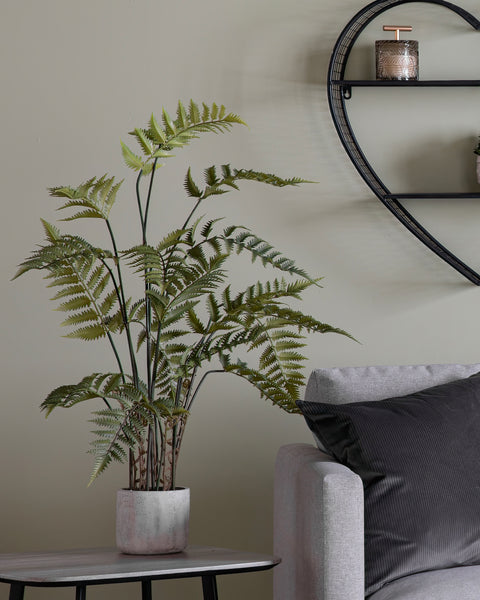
189 322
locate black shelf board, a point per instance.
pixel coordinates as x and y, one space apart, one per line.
440 195
409 83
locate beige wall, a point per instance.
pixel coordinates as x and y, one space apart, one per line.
75 78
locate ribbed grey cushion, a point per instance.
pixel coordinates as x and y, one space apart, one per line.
418 458
340 385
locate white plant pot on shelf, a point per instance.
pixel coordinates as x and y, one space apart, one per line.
152 522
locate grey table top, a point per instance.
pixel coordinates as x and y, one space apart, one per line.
102 565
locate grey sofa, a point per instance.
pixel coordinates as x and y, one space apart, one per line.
319 503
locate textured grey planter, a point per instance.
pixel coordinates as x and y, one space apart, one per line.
152 522
478 168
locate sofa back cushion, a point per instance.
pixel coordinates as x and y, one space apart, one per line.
341 385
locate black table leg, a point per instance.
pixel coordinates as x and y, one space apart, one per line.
81 592
209 587
146 590
16 591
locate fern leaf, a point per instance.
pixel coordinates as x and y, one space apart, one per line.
88 333
156 133
168 124
131 160
268 178
182 119
194 322
213 308
144 142
191 187
75 303
81 317
95 198
194 113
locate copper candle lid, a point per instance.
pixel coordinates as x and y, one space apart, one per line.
396 59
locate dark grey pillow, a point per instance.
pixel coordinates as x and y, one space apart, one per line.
419 459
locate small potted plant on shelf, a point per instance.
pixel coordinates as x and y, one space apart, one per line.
188 323
477 152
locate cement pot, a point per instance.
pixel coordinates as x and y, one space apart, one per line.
152 522
478 168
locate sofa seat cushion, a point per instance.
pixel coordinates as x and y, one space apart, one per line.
458 583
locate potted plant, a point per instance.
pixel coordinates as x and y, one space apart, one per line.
477 152
188 323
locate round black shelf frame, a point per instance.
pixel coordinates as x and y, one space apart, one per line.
340 91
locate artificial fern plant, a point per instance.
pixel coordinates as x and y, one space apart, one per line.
190 322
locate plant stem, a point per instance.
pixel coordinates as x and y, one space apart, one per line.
109 335
200 383
123 306
139 203
149 195
178 393
148 308
161 454
192 212
151 460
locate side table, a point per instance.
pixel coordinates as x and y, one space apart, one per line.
96 566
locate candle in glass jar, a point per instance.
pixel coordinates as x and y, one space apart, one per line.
396 59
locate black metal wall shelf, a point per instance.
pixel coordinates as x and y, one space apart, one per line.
346 85
439 196
417 83
340 91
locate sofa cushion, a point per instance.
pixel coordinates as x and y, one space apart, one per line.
418 457
340 385
461 583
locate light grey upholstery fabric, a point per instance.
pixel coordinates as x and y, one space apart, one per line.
318 525
459 583
359 384
318 505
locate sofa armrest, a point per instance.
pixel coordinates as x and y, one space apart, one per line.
318 527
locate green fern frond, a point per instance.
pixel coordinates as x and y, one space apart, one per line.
194 113
88 333
81 317
182 118
169 124
216 186
155 133
190 186
97 385
132 160
79 270
268 178
303 322
279 393
195 324
213 308
145 143
95 197
242 239
174 315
